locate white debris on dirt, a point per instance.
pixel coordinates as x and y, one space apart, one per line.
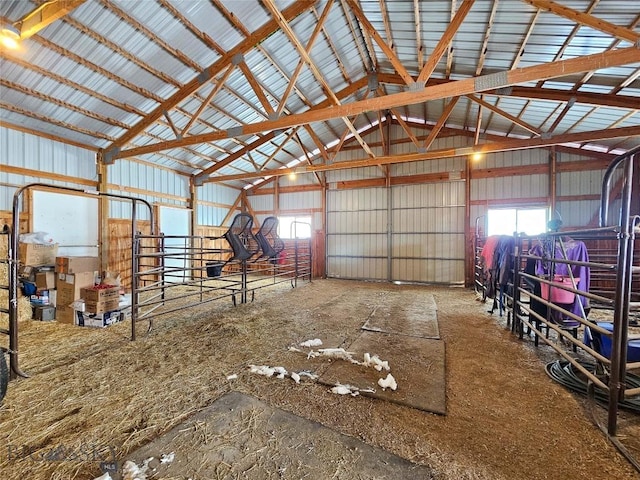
340 389
262 370
339 353
375 362
316 342
104 476
167 458
294 349
388 382
307 374
281 372
233 376
295 377
131 471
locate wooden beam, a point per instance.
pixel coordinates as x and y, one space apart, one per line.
234 156
506 115
586 19
55 138
451 89
294 77
210 72
485 41
440 123
388 51
418 28
214 91
44 15
444 41
257 89
503 146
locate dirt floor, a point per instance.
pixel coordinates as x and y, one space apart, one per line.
93 395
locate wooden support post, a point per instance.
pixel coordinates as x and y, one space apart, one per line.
468 233
552 181
103 213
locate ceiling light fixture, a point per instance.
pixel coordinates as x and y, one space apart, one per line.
9 36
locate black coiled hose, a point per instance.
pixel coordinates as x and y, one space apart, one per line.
565 374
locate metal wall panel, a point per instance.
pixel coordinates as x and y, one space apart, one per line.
31 152
212 215
300 200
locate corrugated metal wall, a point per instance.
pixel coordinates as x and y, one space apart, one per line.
214 202
23 150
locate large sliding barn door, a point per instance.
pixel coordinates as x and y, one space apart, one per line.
410 233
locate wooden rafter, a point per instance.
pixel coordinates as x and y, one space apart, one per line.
334 50
318 142
368 61
506 115
211 72
294 76
388 51
586 19
279 147
440 123
560 117
257 89
405 127
447 73
44 15
308 158
485 40
417 22
500 146
444 41
214 91
314 69
476 136
456 88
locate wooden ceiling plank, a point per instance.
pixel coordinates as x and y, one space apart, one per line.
294 77
388 51
214 91
506 115
440 123
444 41
210 72
44 15
586 19
506 145
450 89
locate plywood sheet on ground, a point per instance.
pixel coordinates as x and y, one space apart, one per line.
239 436
405 312
417 364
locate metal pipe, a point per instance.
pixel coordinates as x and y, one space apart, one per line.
606 183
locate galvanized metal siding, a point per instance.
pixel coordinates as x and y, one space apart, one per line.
214 193
428 233
357 244
23 150
124 174
300 200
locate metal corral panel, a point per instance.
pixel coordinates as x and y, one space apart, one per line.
23 150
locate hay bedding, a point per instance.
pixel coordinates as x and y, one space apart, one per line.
93 389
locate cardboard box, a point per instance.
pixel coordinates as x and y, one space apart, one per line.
35 254
102 306
44 313
69 285
46 280
40 298
65 315
100 320
99 293
76 264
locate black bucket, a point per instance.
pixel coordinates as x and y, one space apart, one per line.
214 269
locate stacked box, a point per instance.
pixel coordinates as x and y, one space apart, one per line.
76 264
44 313
36 254
69 286
98 320
100 298
45 280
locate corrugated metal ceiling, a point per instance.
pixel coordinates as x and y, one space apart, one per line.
121 74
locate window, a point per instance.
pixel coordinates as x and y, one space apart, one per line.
505 221
294 227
